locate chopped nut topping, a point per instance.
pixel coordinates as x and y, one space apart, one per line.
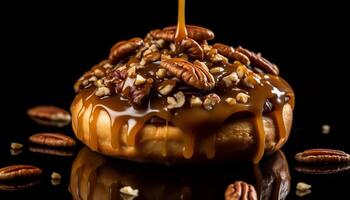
99 83
242 97
161 73
326 129
231 79
216 70
92 79
210 101
139 80
99 73
132 70
172 47
177 101
85 82
195 101
107 65
231 101
15 145
159 43
102 91
166 87
249 81
241 69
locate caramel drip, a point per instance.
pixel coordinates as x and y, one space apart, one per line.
181 32
192 121
94 115
260 138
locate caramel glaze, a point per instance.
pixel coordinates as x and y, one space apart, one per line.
193 121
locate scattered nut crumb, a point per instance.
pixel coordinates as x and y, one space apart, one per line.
211 100
242 97
303 186
93 79
249 81
326 129
165 57
15 145
177 101
161 73
139 80
172 47
55 181
129 191
195 101
102 91
159 43
231 101
240 70
55 175
99 83
216 70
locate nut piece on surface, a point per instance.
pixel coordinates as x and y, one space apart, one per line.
166 87
139 80
49 113
177 101
15 172
15 145
302 189
242 97
326 129
195 101
322 156
127 190
123 48
99 73
303 186
240 190
52 139
231 79
55 175
231 101
102 91
211 100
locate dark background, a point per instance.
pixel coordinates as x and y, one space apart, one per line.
45 47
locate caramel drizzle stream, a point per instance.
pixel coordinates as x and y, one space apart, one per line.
181 32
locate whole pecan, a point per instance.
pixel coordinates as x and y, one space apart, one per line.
51 151
49 115
14 172
322 156
123 48
52 139
193 49
195 74
230 53
195 32
259 61
240 190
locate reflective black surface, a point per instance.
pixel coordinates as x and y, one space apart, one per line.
47 46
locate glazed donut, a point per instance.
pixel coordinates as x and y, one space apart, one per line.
154 100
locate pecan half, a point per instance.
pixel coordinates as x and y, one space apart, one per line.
322 156
195 74
230 53
123 48
14 172
52 139
163 34
240 190
259 61
49 115
323 169
193 49
51 151
195 32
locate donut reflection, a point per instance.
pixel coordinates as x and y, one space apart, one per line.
94 176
